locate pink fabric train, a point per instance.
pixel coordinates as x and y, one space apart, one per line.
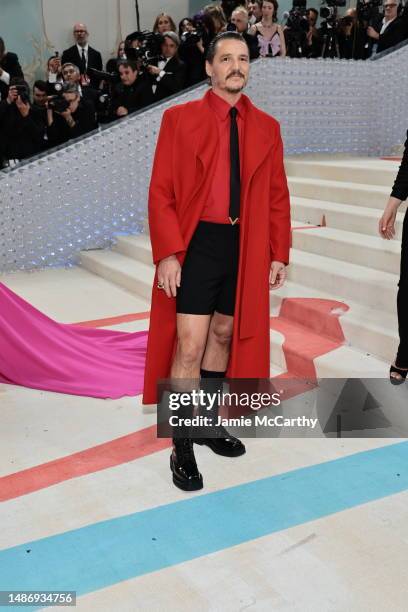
40 353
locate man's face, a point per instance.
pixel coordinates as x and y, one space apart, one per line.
312 18
81 34
39 97
70 74
169 48
390 9
73 99
230 68
240 21
127 75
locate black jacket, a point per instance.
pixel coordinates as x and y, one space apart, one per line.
10 64
400 187
72 56
21 137
132 97
395 33
172 82
60 132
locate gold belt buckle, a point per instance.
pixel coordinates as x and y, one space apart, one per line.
233 222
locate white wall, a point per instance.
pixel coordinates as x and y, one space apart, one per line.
108 21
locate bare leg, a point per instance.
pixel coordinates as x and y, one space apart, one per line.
218 345
192 332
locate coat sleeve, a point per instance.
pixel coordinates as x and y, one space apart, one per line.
400 187
165 233
279 204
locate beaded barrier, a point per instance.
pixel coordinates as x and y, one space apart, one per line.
83 195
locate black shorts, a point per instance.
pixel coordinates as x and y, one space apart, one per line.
210 270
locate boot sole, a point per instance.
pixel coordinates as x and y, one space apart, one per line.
191 486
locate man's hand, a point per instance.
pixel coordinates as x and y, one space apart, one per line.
372 33
169 274
12 95
23 107
153 70
277 275
55 65
121 111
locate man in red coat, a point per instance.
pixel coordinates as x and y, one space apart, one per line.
219 219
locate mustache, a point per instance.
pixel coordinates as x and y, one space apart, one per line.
236 73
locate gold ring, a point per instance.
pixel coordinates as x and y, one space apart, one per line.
160 285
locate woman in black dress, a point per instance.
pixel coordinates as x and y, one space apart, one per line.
399 193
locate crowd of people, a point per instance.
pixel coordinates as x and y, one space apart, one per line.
77 93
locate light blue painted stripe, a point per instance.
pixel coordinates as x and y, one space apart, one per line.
106 553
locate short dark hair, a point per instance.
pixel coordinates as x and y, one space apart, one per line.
313 10
41 85
128 64
70 88
2 47
212 47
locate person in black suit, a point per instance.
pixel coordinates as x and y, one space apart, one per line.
386 228
9 69
21 134
393 29
76 120
71 74
83 56
168 74
132 93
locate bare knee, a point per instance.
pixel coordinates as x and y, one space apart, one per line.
221 332
189 351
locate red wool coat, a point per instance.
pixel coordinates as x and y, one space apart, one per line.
181 178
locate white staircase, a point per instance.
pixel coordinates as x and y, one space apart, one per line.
345 261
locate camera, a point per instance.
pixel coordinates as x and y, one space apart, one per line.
368 11
22 91
296 17
58 103
192 38
329 12
148 50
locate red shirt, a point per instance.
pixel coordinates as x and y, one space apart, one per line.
217 208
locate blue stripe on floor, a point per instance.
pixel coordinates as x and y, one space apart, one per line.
106 553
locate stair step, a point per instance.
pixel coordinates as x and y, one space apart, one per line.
357 194
361 170
133 275
367 329
137 247
352 247
347 217
363 285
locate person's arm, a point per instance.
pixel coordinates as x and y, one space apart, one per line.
279 204
4 76
400 187
282 42
165 233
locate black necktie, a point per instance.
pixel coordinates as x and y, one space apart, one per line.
83 61
235 180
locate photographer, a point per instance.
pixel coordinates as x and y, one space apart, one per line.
239 19
9 69
69 116
392 30
132 93
72 74
39 110
54 74
351 37
192 51
168 74
313 38
21 133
